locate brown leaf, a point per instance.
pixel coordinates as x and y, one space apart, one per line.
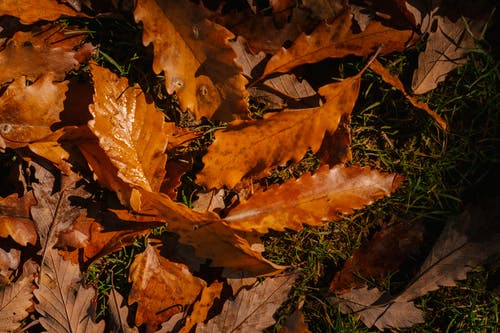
160 287
256 146
196 58
386 75
27 112
452 29
119 312
15 218
30 12
201 307
130 130
295 323
63 303
252 310
312 199
178 136
16 298
383 254
325 10
207 234
9 262
33 53
336 40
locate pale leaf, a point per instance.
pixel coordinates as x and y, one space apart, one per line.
252 310
119 313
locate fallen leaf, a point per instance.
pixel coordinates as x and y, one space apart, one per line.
201 307
16 298
325 10
336 40
9 262
30 12
386 75
210 201
258 145
130 130
160 287
15 218
27 112
63 303
252 310
119 312
312 199
196 58
295 323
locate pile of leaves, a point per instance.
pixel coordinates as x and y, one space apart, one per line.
95 165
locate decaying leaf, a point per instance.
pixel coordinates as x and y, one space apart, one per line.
119 313
201 307
252 310
63 303
312 199
396 83
30 12
27 112
195 55
295 323
130 130
336 40
160 287
16 298
277 138
9 262
15 218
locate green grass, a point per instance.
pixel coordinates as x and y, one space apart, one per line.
443 172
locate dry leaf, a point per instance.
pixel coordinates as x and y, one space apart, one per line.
63 303
15 218
16 298
207 234
256 146
325 10
119 311
252 310
295 323
129 129
30 12
336 40
210 201
201 307
386 75
9 262
161 288
197 60
27 112
312 199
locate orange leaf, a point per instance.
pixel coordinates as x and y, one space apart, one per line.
256 146
129 129
312 199
196 58
200 308
336 40
386 75
29 12
160 287
15 218
27 112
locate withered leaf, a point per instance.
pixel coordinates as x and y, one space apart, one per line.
396 83
9 262
30 12
130 130
195 55
252 310
16 298
63 303
160 287
119 313
27 112
207 234
336 40
15 218
312 199
295 323
201 307
277 138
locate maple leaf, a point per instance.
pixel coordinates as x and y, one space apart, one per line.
15 218
195 55
30 12
386 75
252 310
27 112
129 129
277 138
160 287
16 298
63 303
336 40
119 312
312 199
